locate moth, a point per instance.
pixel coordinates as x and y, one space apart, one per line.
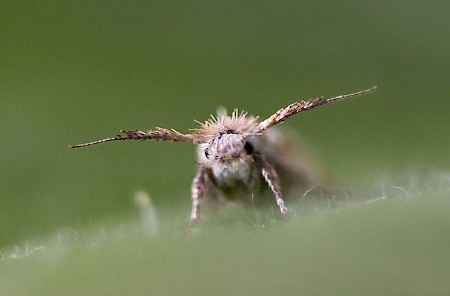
238 156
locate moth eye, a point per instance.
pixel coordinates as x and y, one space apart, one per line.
248 147
207 153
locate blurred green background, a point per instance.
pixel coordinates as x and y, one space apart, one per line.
75 71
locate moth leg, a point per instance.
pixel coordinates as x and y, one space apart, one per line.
198 190
271 177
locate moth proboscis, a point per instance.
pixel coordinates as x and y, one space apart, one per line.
236 157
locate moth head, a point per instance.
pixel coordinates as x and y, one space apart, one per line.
228 149
227 140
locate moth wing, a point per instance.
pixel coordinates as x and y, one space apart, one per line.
297 166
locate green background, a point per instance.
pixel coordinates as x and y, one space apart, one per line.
76 71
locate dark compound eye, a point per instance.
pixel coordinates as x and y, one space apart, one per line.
248 147
207 153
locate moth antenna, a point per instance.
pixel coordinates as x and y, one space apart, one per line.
294 108
158 134
94 142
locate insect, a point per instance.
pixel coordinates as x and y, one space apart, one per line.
237 154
